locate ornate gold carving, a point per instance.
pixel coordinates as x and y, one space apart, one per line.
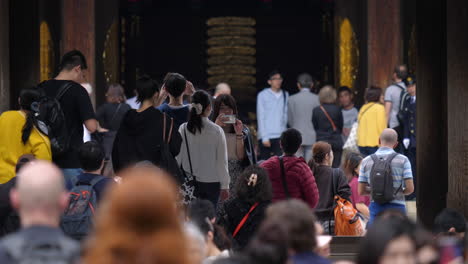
348 54
231 21
110 58
46 51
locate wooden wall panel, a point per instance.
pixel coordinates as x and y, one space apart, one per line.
4 57
457 96
384 40
78 32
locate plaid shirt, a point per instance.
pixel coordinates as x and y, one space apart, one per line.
401 170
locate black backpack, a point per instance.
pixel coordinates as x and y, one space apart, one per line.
401 111
381 179
51 114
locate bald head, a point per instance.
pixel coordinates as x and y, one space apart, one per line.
39 185
222 88
389 137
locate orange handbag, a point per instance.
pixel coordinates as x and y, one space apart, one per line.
347 219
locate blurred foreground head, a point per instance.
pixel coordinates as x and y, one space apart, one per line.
139 222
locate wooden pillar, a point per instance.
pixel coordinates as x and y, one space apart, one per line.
432 166
4 56
384 40
457 96
78 32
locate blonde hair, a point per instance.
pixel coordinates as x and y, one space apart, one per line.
138 222
327 95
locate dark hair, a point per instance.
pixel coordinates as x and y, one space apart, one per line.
221 239
373 94
146 88
319 152
401 71
379 236
91 155
23 160
115 93
447 219
235 259
29 101
352 161
195 120
273 73
344 89
225 99
291 140
201 209
175 84
261 192
305 80
72 59
269 245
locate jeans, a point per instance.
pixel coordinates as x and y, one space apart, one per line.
375 209
367 151
273 150
69 174
209 191
305 151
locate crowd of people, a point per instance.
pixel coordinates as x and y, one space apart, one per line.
174 176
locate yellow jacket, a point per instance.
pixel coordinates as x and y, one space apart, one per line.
372 122
12 147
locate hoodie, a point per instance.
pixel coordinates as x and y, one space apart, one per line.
140 138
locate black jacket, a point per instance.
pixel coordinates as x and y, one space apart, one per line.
324 128
325 181
140 138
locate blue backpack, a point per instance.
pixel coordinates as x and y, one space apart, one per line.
77 219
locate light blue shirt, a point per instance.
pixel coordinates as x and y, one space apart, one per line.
401 170
272 114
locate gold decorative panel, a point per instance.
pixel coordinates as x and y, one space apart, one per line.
46 51
348 54
110 58
231 54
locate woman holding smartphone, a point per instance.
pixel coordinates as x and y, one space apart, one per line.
239 144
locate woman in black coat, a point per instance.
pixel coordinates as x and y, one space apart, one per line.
328 122
140 136
252 196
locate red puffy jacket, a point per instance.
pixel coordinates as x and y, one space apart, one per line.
299 178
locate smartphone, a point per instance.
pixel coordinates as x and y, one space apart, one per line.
230 119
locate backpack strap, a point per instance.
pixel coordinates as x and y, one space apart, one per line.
283 178
63 89
96 180
244 219
329 118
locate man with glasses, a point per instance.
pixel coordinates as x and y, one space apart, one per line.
272 116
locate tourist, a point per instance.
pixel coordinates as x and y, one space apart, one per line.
252 195
351 167
300 108
238 139
328 122
350 113
140 136
400 173
139 222
77 109
203 151
40 198
272 115
21 134
450 222
330 182
372 122
289 175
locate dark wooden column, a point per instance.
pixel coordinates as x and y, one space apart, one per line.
4 56
78 32
384 40
432 155
457 96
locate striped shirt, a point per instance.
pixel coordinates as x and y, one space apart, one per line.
401 170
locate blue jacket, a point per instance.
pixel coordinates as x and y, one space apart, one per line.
272 114
309 258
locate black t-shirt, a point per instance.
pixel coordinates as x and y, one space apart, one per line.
110 115
77 108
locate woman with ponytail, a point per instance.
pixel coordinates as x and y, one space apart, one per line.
253 193
20 134
203 152
330 182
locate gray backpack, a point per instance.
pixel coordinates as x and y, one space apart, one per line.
41 250
77 219
381 179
